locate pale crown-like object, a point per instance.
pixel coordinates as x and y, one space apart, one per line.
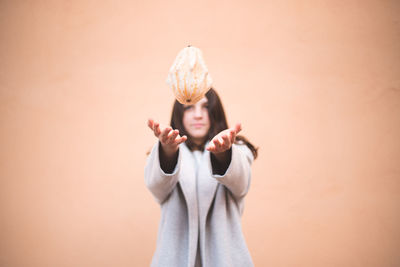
188 76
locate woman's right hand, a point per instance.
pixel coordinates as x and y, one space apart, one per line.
169 139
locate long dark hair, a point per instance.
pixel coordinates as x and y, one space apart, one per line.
217 118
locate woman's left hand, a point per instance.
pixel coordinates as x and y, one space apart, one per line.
224 140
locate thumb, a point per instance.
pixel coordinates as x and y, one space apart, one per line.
238 127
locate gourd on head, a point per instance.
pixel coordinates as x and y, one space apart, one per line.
188 76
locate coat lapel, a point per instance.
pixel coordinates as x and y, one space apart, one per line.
187 181
199 191
206 185
187 178
200 184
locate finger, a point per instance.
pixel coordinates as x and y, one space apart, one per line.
157 130
238 127
181 140
227 142
231 135
171 137
217 144
150 123
212 149
223 142
164 134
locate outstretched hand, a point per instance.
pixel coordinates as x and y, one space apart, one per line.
224 140
169 139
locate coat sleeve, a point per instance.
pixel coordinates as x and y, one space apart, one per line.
238 175
157 181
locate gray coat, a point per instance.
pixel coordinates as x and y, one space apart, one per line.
197 204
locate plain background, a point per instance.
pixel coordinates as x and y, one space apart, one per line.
315 84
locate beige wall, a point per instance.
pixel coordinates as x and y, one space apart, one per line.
316 85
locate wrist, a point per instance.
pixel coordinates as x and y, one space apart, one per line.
168 158
220 161
222 156
169 150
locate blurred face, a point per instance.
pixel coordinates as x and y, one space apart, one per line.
196 120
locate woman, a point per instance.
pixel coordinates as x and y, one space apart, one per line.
199 172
